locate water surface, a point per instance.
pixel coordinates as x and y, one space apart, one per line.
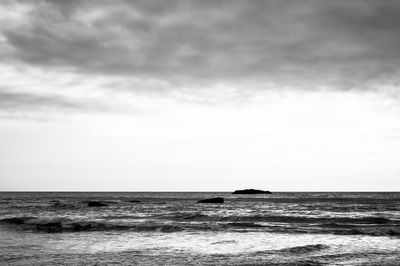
149 228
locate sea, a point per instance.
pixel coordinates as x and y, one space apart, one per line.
171 228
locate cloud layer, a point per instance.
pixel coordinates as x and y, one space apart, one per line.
184 44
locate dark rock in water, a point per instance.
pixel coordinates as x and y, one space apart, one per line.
134 201
96 204
212 200
251 191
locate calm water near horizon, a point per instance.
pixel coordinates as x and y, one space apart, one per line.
170 228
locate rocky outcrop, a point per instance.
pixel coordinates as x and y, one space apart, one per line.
93 203
251 191
134 201
212 200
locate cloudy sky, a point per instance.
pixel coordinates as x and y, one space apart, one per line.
174 95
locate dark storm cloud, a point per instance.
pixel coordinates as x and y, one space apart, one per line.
303 42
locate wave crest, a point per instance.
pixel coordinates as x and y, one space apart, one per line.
62 224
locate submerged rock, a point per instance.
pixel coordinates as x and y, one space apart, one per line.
251 191
212 200
134 201
96 204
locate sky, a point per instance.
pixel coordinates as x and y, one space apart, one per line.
200 95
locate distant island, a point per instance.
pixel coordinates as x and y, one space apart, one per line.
251 191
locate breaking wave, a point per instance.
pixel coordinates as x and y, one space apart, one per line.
62 224
175 222
302 219
112 223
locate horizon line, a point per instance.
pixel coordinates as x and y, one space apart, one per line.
193 191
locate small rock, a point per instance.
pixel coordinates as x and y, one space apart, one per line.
96 204
134 201
212 200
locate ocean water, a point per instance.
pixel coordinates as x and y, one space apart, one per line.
170 228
